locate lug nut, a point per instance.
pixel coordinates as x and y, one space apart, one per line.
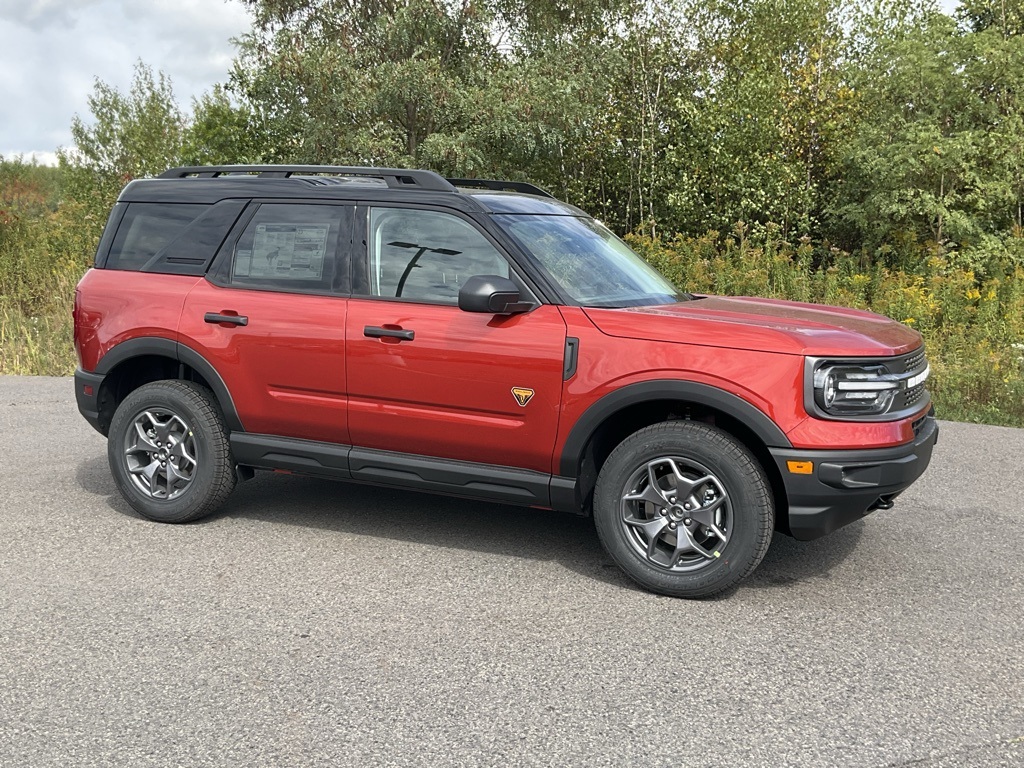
687 521
664 511
672 526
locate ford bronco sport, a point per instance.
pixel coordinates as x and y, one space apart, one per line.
481 339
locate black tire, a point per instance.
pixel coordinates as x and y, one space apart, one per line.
729 490
180 424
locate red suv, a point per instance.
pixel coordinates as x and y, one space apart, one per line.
480 339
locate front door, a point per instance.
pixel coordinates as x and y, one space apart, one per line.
426 378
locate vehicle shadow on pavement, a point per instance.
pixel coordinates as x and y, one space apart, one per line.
463 524
790 561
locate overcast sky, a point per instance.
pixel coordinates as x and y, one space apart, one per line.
51 51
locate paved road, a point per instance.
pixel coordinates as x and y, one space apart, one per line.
318 623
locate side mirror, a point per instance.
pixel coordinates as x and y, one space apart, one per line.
491 294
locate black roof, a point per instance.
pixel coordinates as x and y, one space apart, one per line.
210 184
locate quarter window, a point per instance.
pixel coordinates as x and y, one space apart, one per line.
145 229
425 256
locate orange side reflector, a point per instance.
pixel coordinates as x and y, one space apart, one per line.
801 467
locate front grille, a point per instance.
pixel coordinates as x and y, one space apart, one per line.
907 367
912 395
912 363
914 360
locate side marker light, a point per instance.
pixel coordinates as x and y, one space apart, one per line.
801 467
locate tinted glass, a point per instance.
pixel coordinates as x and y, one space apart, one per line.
425 255
145 229
592 265
289 247
191 252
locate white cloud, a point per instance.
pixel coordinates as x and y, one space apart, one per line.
40 14
51 52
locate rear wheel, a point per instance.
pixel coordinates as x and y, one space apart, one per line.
684 509
169 452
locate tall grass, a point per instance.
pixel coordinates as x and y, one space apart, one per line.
969 307
42 257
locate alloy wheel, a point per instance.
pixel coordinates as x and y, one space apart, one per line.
160 452
676 514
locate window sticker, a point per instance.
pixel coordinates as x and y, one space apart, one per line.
285 251
243 261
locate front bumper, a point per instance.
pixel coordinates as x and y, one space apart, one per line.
846 485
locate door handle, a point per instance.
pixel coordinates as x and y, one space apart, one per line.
376 332
215 318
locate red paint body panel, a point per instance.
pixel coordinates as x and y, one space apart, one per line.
762 324
820 433
771 381
114 306
286 368
448 392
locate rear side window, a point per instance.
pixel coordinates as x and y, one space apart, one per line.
291 247
145 229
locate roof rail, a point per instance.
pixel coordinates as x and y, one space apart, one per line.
398 178
500 186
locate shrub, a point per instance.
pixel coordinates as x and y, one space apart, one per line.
972 321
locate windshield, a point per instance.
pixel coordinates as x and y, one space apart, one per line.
592 265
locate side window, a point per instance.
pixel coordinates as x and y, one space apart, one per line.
424 256
290 247
145 229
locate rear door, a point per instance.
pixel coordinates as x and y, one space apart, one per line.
270 317
426 378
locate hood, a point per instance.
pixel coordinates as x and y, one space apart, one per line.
762 324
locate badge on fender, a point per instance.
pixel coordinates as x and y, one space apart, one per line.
522 395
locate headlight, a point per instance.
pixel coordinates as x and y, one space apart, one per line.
867 389
854 390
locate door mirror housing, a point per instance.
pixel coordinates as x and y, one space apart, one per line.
491 294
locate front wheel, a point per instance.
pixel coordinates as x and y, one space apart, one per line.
684 509
169 452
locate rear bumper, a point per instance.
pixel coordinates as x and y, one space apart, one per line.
87 394
846 485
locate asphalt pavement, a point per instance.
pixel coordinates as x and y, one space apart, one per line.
329 624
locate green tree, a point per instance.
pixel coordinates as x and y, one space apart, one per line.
570 95
380 82
135 134
220 132
144 132
937 155
27 188
755 140
995 68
